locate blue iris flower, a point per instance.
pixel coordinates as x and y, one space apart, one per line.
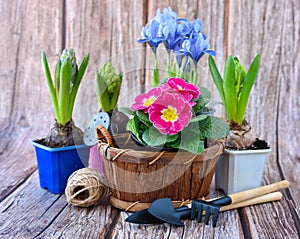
170 29
150 34
183 27
170 34
196 46
196 26
167 14
184 38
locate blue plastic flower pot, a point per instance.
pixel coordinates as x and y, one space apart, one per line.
55 165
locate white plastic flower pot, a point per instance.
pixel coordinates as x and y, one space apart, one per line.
240 170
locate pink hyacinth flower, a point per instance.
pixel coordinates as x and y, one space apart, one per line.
189 91
144 101
170 113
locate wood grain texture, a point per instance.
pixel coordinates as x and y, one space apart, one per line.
108 30
272 106
26 111
212 15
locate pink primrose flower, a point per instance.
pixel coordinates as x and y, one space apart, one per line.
189 91
144 101
170 113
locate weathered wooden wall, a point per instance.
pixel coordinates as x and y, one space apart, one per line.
109 30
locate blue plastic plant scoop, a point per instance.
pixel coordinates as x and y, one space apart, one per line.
163 209
145 217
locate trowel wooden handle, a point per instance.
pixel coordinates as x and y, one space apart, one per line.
270 197
256 192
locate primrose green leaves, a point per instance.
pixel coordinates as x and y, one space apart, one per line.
153 137
198 118
214 128
190 138
203 99
132 126
126 110
143 117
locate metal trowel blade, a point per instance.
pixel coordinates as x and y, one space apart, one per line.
143 217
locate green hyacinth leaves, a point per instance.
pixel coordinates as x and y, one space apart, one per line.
63 89
235 87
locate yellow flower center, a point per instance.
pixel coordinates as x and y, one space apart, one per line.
149 101
169 114
179 87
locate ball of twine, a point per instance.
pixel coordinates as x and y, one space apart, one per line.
85 187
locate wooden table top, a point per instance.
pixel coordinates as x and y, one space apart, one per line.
28 211
108 30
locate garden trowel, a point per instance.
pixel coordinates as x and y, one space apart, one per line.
144 217
162 210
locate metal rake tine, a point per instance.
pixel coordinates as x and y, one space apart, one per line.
193 211
200 206
200 213
215 216
207 214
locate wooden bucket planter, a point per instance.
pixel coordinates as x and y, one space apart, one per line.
137 175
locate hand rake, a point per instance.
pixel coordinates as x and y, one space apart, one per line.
213 207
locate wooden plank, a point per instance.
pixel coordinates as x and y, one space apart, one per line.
28 210
128 53
288 99
26 111
256 31
212 15
88 30
31 212
257 220
108 31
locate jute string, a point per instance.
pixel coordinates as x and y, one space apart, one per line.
175 203
85 187
157 158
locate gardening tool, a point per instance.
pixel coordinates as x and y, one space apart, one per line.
184 212
144 217
163 209
213 207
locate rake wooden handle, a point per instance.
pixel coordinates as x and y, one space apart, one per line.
270 197
256 192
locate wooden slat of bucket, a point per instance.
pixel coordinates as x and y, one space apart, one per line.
133 179
203 171
169 174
